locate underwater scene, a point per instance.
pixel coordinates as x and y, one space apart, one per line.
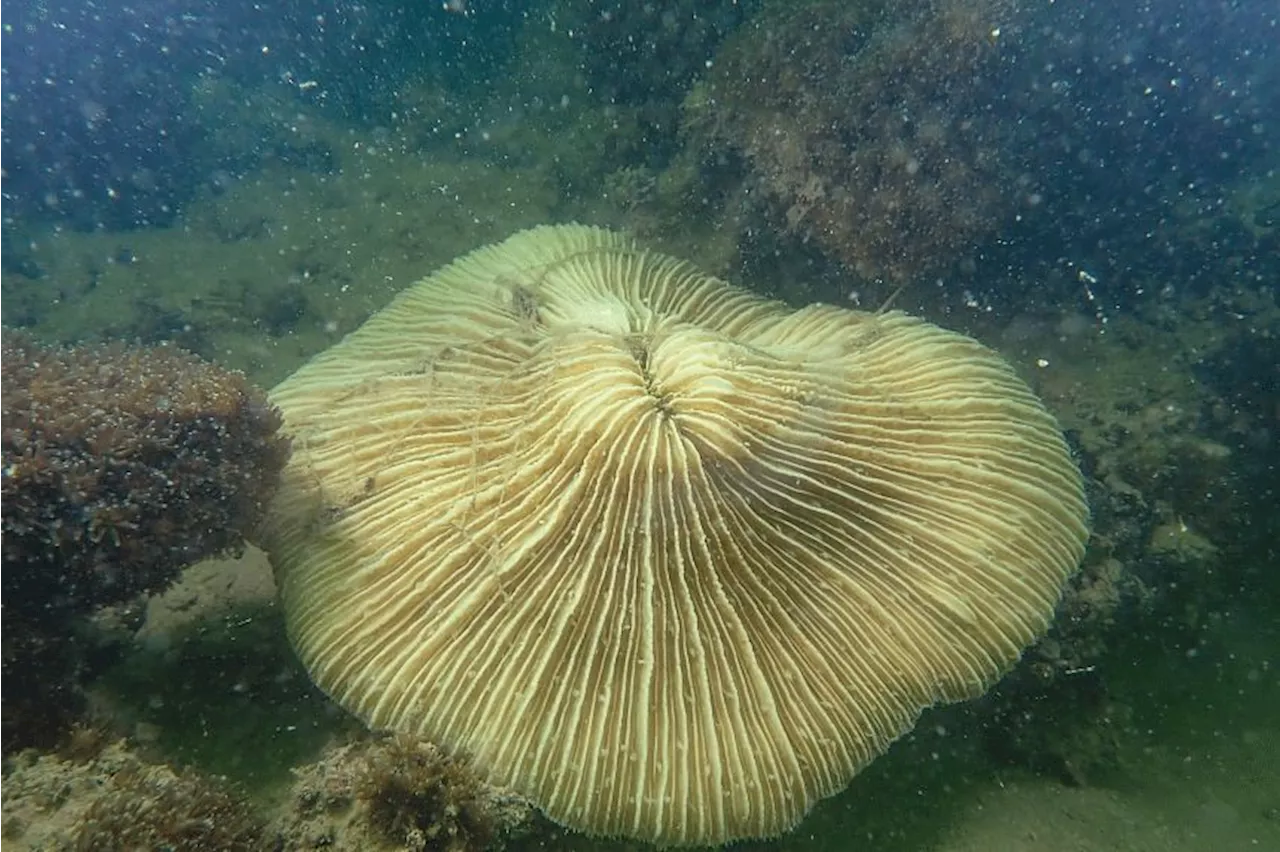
612 424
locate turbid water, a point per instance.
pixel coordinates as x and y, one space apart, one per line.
1097 201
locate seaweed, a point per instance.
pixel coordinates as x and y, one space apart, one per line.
152 807
121 466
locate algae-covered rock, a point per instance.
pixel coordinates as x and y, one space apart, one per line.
122 465
113 799
397 793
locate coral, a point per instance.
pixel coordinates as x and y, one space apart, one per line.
869 127
121 465
398 793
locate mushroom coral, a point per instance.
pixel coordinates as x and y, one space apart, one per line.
666 557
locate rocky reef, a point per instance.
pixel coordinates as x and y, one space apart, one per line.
974 141
1087 185
1177 437
398 793
122 465
99 793
866 127
103 795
